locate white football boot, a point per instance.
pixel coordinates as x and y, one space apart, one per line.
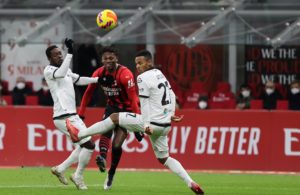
79 183
60 176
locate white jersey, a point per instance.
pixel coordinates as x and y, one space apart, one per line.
156 97
62 91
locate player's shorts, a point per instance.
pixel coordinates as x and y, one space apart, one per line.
76 121
159 138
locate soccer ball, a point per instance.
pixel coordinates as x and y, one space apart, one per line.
107 19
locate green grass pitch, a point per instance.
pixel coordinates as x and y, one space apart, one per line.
31 181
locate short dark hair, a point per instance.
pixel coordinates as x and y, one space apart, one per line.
49 49
144 53
245 85
109 49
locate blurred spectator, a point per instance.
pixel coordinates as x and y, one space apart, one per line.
270 96
294 95
20 91
44 96
222 97
244 97
203 102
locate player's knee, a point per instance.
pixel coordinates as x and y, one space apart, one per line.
88 145
115 118
162 160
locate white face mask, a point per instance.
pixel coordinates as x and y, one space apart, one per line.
295 90
202 104
21 85
246 93
45 88
269 91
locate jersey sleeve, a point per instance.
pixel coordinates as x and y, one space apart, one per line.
144 90
75 77
128 83
49 72
88 94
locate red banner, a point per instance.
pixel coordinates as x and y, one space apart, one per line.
212 139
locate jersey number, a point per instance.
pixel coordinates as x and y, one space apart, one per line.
165 100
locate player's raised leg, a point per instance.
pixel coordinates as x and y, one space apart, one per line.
97 128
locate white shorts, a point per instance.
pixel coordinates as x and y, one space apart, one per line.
159 139
76 121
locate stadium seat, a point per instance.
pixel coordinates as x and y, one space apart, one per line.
223 87
282 105
29 84
281 89
4 85
230 104
31 100
256 90
8 99
256 104
215 105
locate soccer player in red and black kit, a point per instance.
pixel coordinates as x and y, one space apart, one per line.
117 82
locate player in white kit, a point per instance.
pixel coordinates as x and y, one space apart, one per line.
60 80
157 101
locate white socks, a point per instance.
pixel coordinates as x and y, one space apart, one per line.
177 168
97 128
73 158
84 159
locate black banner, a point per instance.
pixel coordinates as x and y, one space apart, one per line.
262 63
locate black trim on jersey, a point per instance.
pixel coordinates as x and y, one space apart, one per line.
77 80
54 73
63 115
143 96
161 124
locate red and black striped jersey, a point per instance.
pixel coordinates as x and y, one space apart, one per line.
119 89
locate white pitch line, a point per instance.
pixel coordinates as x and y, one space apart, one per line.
45 186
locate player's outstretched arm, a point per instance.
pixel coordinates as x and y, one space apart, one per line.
86 80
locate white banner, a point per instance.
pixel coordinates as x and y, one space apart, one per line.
27 61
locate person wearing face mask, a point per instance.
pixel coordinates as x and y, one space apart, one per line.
244 97
294 95
270 96
44 95
20 92
203 102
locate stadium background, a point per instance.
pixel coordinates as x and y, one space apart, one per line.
194 41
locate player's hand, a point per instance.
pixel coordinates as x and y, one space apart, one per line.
176 118
69 44
139 136
148 131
